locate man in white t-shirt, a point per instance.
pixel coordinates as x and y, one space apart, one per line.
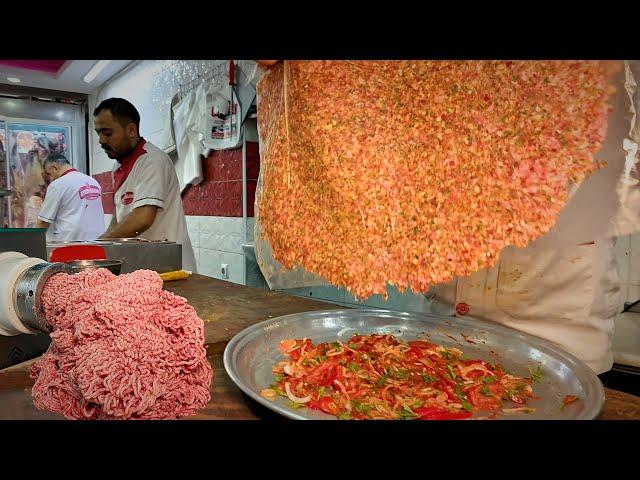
147 193
72 207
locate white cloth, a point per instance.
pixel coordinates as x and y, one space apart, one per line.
563 287
188 141
73 208
153 181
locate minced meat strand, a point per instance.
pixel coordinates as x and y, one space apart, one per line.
122 348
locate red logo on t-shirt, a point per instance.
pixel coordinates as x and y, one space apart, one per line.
89 192
127 198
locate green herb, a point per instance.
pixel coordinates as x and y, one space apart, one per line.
463 399
447 354
278 377
429 378
407 414
278 390
354 367
536 374
485 391
399 374
294 405
353 346
489 380
361 407
508 394
381 382
344 416
364 356
335 345
452 372
321 391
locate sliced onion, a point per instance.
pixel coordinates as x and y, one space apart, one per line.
519 409
465 371
292 397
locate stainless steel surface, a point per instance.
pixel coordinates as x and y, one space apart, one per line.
136 254
28 293
114 266
249 356
29 241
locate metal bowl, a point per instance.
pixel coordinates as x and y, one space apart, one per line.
114 266
250 355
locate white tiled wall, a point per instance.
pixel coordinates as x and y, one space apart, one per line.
217 241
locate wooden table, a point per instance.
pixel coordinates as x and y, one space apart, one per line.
226 309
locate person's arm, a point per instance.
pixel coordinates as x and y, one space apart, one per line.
134 224
49 209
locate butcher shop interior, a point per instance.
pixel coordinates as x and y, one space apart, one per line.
319 239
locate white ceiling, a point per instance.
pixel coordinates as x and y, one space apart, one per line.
68 78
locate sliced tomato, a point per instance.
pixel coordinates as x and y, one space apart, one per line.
414 353
437 413
486 402
294 354
286 345
328 405
325 373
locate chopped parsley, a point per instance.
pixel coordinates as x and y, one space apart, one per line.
429 378
353 367
536 375
382 381
344 416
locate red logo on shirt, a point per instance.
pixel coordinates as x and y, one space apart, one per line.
462 308
89 192
127 198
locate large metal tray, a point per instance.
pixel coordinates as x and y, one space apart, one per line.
249 356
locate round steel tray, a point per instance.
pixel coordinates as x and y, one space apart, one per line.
249 356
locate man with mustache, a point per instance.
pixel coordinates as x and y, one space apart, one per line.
147 194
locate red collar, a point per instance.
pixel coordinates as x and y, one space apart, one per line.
127 164
68 171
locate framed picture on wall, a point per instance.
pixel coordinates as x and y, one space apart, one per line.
28 146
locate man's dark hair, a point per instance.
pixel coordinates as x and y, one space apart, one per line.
58 158
121 109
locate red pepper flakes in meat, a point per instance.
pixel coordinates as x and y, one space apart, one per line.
411 173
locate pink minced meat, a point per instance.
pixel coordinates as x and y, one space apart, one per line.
122 348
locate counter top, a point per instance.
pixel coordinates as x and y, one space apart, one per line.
228 308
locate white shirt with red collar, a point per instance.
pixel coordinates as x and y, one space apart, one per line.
73 208
147 177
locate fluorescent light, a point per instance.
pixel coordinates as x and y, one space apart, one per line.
95 70
14 79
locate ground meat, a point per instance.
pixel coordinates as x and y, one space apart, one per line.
412 173
122 348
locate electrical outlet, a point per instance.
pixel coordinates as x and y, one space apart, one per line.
224 270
